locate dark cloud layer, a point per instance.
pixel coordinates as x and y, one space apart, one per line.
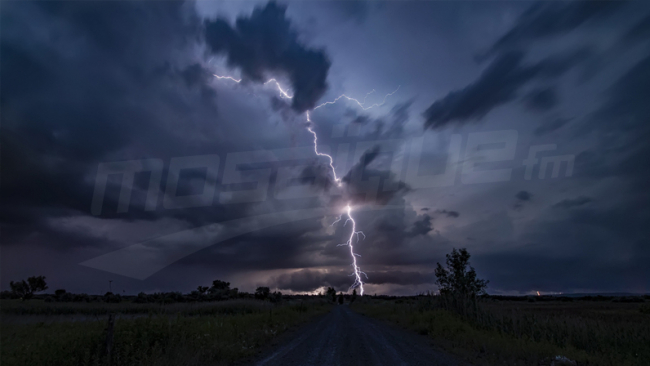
573 202
108 78
89 82
311 280
422 226
266 43
550 126
546 19
498 84
449 213
541 99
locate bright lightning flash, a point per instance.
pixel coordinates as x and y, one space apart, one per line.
358 282
360 104
227 77
357 271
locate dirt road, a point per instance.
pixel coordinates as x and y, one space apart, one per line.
344 337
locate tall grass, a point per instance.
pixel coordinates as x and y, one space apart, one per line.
202 335
592 333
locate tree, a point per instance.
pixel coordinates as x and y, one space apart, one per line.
202 289
60 292
262 293
354 296
219 285
25 289
37 283
456 278
331 292
276 296
19 288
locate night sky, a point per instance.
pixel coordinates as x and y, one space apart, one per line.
86 84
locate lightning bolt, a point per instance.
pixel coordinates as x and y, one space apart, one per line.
336 179
227 77
360 104
357 271
283 92
358 282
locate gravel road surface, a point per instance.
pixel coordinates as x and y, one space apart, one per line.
344 337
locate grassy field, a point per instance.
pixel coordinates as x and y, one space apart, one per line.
489 332
218 333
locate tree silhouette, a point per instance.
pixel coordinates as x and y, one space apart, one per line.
354 296
262 293
456 278
331 292
25 289
220 285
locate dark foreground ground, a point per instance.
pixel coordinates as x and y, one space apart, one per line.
343 337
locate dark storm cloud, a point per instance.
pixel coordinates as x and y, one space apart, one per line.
422 226
86 82
573 202
107 77
546 19
497 85
266 43
589 249
640 31
501 81
622 131
550 126
541 99
401 277
311 280
449 213
524 196
369 190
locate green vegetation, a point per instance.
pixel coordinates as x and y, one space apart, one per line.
175 334
488 331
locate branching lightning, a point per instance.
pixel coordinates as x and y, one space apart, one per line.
358 282
360 104
283 92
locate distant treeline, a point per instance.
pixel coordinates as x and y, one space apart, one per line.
531 298
220 290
